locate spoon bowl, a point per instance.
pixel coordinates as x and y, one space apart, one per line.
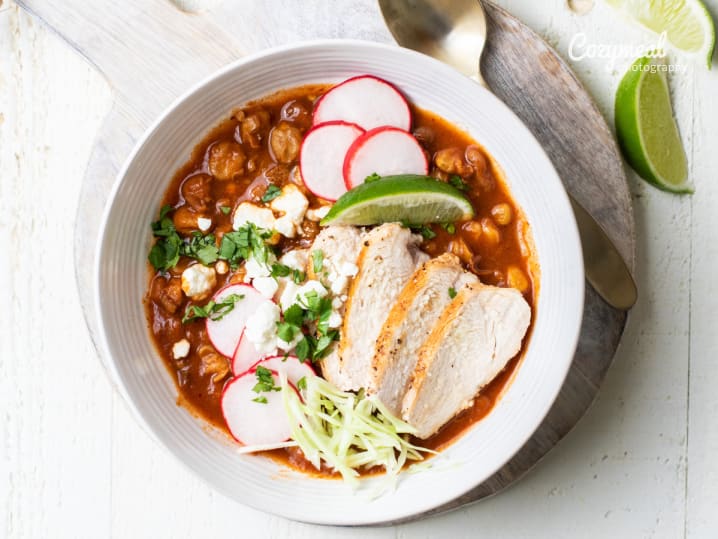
453 31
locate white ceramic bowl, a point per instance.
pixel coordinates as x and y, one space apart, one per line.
121 278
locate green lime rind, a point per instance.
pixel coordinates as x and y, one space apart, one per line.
712 34
688 24
406 198
646 130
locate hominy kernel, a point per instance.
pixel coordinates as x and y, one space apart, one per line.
489 231
502 214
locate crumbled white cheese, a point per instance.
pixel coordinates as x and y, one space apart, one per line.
337 303
261 328
335 320
318 214
204 224
285 226
289 294
308 288
266 286
348 269
247 212
294 293
253 268
296 259
180 349
221 267
292 205
198 281
338 283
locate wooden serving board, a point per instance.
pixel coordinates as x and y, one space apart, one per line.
150 52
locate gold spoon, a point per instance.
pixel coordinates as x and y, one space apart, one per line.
454 31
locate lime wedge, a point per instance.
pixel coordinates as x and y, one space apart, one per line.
406 198
687 23
646 130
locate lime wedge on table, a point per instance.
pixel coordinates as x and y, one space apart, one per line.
646 130
406 198
687 23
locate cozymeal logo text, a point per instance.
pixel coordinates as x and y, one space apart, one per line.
581 48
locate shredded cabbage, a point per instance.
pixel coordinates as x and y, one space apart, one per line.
347 431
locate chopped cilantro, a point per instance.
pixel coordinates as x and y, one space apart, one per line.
457 182
265 381
322 345
168 248
317 260
294 315
213 311
287 331
280 270
372 177
261 399
165 253
298 276
202 248
303 350
425 231
225 209
271 193
449 227
452 293
241 244
302 383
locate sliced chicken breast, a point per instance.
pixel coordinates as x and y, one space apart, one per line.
339 245
409 324
388 258
473 339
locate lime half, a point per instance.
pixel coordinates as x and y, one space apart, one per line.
646 130
687 23
407 198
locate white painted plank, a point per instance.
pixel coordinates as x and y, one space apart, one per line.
55 398
702 484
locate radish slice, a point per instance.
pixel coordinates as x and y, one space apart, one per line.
245 356
384 151
250 422
366 101
294 369
322 157
225 332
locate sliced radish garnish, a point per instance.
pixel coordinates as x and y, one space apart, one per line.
322 157
225 332
294 369
251 422
366 101
384 151
245 356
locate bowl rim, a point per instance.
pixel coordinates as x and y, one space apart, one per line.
118 382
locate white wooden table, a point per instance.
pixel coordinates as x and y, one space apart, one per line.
73 463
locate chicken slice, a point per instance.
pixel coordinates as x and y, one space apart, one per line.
409 323
388 258
340 245
473 339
